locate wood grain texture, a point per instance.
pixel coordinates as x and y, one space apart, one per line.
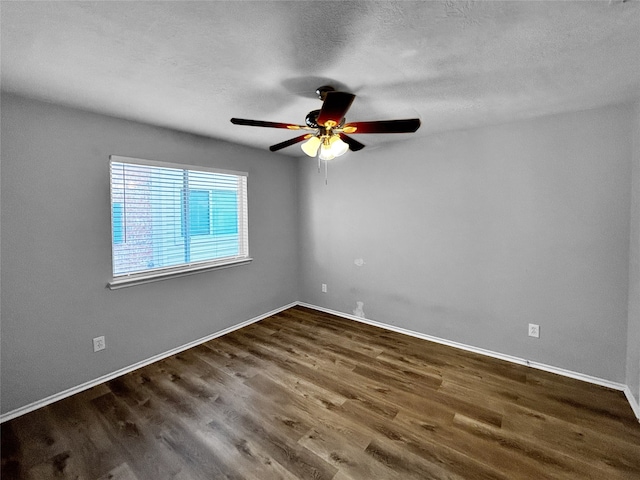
307 395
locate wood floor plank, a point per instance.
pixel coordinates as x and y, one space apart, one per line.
561 464
327 415
349 458
43 449
419 434
137 446
90 444
308 395
121 472
298 460
595 447
12 453
293 366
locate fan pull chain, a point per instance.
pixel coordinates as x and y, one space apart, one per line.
326 172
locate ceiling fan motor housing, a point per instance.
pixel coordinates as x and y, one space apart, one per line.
312 119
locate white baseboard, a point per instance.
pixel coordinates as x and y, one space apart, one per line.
509 358
632 401
110 376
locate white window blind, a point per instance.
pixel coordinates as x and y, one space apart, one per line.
171 219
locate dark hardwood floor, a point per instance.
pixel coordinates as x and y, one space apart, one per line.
306 395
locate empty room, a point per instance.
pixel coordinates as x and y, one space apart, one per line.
320 240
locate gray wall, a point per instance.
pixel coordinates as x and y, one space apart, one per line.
633 335
471 235
56 251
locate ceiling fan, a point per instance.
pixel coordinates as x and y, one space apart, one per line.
328 129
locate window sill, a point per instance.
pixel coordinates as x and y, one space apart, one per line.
142 278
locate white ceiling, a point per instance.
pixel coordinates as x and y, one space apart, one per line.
192 66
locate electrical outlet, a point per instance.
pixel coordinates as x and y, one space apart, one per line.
324 288
534 330
99 344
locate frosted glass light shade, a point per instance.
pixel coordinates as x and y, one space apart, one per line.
310 147
326 153
338 147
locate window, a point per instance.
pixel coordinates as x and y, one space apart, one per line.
197 210
171 220
116 220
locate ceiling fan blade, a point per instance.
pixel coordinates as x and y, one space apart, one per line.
354 145
261 123
287 143
334 108
384 126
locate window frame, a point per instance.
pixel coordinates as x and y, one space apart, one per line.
162 273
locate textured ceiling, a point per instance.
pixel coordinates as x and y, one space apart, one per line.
192 66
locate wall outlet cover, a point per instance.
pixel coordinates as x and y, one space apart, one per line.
99 344
534 330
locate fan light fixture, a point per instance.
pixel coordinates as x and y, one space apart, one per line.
330 147
311 146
